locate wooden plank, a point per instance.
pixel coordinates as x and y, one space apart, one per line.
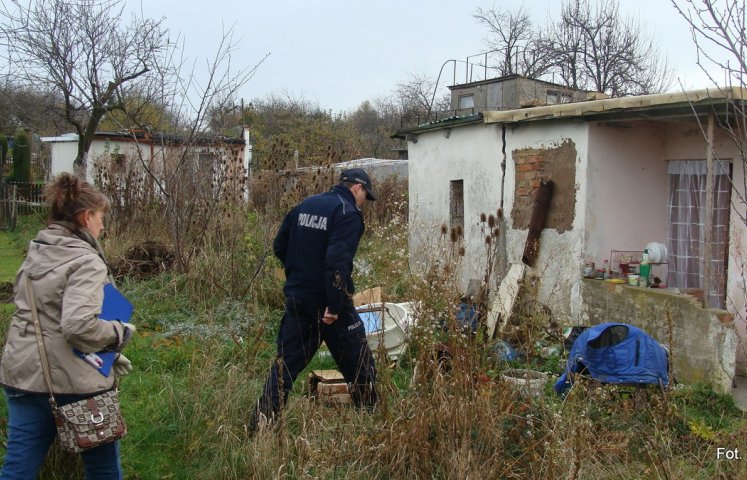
505 298
328 376
707 224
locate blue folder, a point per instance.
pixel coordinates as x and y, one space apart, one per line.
115 307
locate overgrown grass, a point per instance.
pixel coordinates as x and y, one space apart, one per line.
201 355
13 245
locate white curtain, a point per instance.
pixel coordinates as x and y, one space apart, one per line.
685 235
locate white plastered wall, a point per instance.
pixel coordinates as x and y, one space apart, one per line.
621 180
474 153
626 203
471 153
736 286
63 155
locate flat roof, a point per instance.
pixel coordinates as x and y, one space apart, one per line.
159 138
675 104
65 137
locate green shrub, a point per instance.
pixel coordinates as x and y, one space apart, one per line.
21 158
3 148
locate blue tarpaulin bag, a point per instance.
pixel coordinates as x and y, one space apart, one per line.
616 353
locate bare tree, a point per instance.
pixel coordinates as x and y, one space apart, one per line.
415 93
29 108
194 191
590 47
83 50
373 124
599 49
519 46
719 30
420 94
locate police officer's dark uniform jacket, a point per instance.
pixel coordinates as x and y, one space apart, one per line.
317 243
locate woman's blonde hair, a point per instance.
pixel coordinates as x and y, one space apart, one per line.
68 195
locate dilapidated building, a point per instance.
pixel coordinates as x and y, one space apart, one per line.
626 172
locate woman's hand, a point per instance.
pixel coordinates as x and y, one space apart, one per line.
122 366
128 331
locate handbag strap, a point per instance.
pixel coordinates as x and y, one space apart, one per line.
31 297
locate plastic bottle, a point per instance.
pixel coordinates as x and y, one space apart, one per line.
645 270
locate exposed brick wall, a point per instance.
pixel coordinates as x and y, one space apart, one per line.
536 164
529 169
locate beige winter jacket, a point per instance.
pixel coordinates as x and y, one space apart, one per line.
68 276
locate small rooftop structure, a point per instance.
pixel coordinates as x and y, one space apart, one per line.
510 92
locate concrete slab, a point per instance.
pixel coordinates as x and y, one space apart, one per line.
739 393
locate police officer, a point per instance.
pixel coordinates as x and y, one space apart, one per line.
316 244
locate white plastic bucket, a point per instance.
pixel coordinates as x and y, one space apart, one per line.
528 383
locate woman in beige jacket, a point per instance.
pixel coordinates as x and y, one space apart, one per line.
67 270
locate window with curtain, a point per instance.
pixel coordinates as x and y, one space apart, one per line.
686 229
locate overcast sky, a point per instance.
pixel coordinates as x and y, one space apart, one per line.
339 53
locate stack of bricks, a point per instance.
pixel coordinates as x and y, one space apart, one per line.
329 387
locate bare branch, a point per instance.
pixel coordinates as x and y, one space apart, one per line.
85 50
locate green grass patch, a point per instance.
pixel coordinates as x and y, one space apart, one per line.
707 411
13 245
11 257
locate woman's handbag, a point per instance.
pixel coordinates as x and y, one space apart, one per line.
87 423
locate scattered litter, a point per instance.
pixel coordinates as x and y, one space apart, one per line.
503 352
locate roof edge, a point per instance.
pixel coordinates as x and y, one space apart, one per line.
440 124
593 107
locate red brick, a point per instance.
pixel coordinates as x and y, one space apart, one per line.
535 183
522 192
725 318
524 168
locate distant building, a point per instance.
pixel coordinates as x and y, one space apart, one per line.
378 168
118 148
205 157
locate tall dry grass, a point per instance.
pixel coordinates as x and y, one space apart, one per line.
445 411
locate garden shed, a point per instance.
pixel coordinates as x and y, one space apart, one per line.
626 172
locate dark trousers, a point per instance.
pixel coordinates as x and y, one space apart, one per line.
301 333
